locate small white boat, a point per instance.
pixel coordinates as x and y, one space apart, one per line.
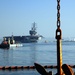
16 45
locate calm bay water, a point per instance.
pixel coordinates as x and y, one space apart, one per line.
42 52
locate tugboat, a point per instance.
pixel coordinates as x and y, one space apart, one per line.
4 44
10 43
13 44
33 37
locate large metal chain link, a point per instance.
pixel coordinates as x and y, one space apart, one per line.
58 13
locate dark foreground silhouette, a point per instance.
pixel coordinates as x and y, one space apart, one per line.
67 70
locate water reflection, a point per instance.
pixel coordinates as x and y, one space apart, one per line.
30 53
6 57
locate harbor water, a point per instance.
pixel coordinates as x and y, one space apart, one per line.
43 52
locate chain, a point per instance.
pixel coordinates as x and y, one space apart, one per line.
58 30
58 13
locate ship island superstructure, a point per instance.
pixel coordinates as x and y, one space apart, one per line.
33 37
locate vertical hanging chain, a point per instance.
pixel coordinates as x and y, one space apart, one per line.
58 13
58 31
59 37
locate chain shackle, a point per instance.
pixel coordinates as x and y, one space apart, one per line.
58 33
58 13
